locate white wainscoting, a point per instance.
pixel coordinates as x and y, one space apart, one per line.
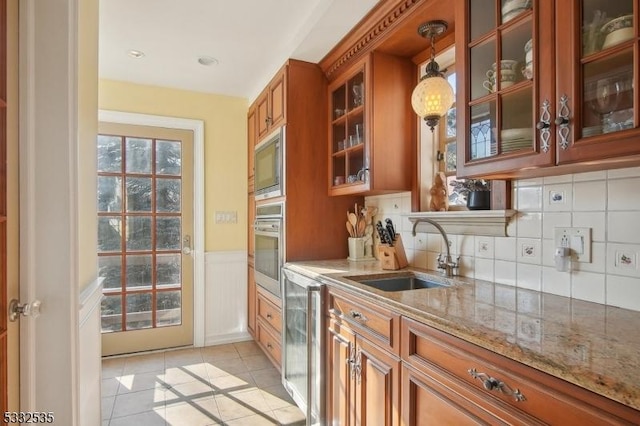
89 355
225 297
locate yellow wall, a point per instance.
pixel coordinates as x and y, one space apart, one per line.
87 132
225 148
13 225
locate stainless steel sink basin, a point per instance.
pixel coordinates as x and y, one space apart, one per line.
399 283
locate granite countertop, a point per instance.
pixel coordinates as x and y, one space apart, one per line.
591 345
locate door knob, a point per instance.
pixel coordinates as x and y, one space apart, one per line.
27 309
186 245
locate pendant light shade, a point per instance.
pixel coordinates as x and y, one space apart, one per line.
433 96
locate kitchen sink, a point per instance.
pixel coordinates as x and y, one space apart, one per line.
399 283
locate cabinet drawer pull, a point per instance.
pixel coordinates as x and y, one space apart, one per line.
358 316
491 383
269 316
269 346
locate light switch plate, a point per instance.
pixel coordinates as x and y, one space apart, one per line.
578 240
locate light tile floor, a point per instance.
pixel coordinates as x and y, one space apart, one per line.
232 384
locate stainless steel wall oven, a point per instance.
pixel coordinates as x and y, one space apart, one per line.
268 256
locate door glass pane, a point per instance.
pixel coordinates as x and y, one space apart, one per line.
516 52
517 121
168 195
139 271
109 193
482 75
511 9
168 233
109 233
138 155
138 233
110 268
606 24
483 125
168 270
608 95
483 17
168 158
111 313
109 153
169 308
139 311
138 194
149 221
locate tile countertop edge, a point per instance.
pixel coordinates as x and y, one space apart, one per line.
619 386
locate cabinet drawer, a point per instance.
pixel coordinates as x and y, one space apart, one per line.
502 381
269 342
376 323
269 313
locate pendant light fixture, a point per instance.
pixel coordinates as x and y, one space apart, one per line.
433 96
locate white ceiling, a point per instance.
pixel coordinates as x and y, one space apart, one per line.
251 39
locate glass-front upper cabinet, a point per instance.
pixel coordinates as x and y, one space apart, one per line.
497 110
597 96
347 157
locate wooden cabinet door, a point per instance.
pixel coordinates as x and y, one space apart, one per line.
596 71
262 108
498 107
277 98
340 374
252 138
251 301
377 395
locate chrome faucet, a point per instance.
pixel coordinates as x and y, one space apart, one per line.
445 263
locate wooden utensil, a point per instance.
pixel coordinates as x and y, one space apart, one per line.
361 226
353 220
350 230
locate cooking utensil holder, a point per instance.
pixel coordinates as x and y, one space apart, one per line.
393 257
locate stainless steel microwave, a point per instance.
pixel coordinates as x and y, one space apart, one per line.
269 170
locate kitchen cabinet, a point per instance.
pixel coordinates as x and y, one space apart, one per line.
562 99
363 378
252 139
251 301
445 378
301 89
271 105
372 141
269 325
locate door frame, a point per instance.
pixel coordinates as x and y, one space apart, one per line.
197 126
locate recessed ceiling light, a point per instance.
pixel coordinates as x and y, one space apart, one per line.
207 61
136 54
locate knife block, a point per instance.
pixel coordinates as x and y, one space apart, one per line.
393 257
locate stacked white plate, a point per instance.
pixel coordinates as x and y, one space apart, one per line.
515 139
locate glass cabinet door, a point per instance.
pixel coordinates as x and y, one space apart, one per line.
347 156
597 94
501 99
607 66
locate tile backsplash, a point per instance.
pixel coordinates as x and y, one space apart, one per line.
608 202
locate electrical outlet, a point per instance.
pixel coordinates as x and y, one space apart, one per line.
578 240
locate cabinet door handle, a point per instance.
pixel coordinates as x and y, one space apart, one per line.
563 122
268 120
358 316
491 383
269 346
543 125
269 316
351 362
